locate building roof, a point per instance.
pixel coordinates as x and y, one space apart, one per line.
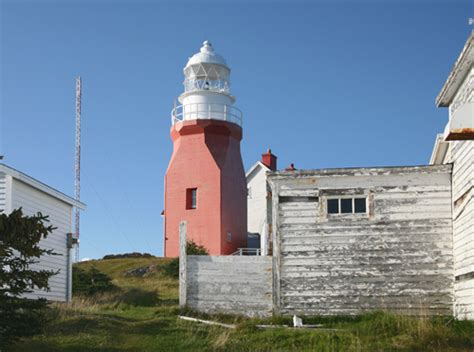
362 171
461 68
254 167
439 150
206 55
40 186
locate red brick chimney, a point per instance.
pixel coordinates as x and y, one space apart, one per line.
269 160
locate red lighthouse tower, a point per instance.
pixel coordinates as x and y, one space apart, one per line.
205 181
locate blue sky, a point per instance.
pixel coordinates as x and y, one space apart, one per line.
324 84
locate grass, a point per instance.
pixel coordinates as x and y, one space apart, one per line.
142 316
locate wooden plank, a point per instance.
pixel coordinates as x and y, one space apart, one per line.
182 264
276 242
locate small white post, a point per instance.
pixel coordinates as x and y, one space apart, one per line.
182 264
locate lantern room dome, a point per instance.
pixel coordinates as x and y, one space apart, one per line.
206 55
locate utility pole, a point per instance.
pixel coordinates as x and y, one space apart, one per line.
77 163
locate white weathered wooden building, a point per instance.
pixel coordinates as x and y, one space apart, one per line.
456 146
351 240
20 190
346 241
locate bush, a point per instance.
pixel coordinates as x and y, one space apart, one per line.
128 255
195 249
192 248
90 282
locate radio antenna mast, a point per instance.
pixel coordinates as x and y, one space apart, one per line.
77 163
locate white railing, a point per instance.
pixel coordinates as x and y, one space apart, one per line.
247 251
206 111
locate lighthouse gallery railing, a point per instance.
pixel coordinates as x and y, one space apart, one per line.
207 111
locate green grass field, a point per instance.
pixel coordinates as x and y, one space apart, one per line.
143 317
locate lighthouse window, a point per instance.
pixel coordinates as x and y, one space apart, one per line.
191 198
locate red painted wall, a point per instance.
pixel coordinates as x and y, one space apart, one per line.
206 156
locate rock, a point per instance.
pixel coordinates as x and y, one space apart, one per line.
142 271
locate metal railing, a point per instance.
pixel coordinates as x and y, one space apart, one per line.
247 251
206 111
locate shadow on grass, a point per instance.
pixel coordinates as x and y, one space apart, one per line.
49 346
168 302
139 298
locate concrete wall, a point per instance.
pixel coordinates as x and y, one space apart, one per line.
239 285
397 256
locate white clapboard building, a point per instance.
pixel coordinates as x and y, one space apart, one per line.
20 190
456 146
257 198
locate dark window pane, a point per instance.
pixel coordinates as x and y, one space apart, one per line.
333 206
359 205
346 205
193 198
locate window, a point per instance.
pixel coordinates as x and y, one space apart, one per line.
191 198
333 206
229 237
359 205
346 205
249 192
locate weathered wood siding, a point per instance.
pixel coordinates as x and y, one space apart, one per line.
229 284
461 154
32 201
398 256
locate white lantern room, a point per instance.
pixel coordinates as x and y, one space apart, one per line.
206 89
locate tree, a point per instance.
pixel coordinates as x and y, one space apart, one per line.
19 249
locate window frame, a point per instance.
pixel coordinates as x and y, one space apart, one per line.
348 196
191 198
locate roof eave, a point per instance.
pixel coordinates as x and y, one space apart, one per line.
457 74
254 166
439 150
42 186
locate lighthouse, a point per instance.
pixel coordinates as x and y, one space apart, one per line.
205 182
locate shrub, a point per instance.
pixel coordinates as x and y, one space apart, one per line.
90 282
192 248
128 255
